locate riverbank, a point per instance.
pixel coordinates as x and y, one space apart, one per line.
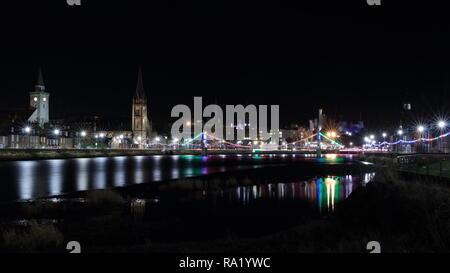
402 215
41 154
160 213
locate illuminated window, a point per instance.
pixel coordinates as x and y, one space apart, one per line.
44 99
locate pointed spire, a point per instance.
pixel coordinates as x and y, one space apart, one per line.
140 93
40 82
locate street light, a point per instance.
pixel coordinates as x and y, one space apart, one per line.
400 132
27 131
420 128
83 133
56 132
384 135
441 124
372 137
157 139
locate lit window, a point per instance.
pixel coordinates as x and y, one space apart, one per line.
44 99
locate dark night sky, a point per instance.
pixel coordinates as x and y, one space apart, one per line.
350 58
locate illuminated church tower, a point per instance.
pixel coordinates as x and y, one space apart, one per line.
140 122
39 100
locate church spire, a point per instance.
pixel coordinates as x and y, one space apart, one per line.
140 93
40 87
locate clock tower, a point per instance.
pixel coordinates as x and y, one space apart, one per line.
39 100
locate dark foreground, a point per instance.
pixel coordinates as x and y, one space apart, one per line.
404 216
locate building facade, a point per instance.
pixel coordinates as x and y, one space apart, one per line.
39 100
141 125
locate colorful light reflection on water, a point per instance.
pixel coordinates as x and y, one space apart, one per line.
323 193
32 179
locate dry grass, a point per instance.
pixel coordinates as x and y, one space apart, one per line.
104 197
35 238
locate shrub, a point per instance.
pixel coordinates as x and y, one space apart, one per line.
36 237
231 182
104 197
41 209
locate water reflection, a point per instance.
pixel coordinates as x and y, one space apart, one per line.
119 174
83 174
24 183
32 179
55 176
100 173
323 192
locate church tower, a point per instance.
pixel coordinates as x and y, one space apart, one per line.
140 122
39 100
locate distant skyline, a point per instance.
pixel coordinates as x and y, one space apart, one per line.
351 64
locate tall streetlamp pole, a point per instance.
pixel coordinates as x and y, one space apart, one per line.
27 131
400 133
441 125
420 129
318 128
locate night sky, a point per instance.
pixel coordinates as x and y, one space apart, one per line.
349 58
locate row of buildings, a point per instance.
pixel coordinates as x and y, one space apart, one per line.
33 127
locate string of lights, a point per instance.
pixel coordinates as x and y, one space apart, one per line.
412 141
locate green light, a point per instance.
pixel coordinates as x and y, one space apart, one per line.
331 140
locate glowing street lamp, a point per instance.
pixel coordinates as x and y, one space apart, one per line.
331 134
83 133
157 139
372 137
420 128
27 129
400 132
384 135
56 132
441 124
